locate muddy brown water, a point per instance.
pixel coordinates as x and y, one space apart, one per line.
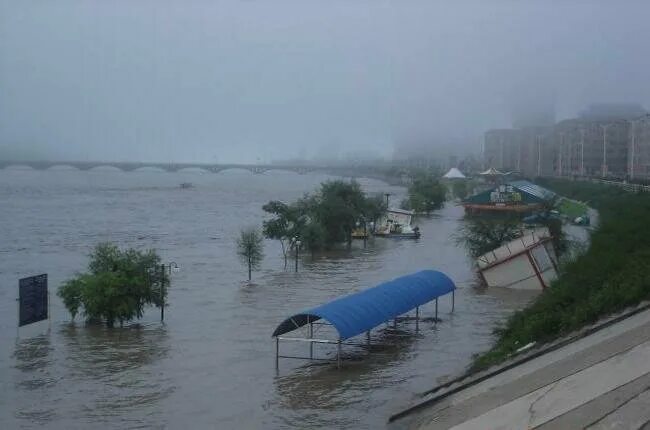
212 364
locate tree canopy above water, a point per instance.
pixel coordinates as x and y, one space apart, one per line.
250 248
425 194
325 218
118 286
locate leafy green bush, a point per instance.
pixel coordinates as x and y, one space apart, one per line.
481 235
426 194
117 287
325 218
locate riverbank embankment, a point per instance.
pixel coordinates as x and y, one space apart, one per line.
596 378
612 275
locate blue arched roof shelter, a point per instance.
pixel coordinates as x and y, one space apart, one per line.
357 313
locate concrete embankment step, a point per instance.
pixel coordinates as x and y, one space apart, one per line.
585 370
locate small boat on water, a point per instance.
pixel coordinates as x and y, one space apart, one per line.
397 224
185 185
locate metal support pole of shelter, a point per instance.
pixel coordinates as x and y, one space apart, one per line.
311 344
436 310
368 337
338 355
277 353
453 299
49 316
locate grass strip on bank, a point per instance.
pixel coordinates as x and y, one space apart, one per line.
612 274
571 208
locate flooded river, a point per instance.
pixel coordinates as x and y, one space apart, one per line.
211 365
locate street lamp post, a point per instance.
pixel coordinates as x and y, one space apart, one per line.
560 153
502 151
604 127
539 155
172 266
297 244
582 152
570 156
632 148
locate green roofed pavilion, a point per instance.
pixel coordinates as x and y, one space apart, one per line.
516 196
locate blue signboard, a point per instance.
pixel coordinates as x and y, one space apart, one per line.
32 293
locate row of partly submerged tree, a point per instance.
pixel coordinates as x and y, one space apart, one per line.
327 218
120 284
324 219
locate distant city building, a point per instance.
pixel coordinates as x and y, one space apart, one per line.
535 152
526 150
501 149
605 141
591 147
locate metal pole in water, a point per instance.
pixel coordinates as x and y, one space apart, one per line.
49 317
368 337
436 310
453 300
162 293
311 344
18 314
417 319
338 355
365 233
277 353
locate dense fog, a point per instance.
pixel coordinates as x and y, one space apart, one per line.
257 81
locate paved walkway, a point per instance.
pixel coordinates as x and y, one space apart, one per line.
599 382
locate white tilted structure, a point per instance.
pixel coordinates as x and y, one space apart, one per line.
526 263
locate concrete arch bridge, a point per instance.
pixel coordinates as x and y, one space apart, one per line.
367 171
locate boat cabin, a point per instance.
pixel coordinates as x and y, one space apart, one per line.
397 222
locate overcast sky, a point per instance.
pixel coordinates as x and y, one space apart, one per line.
242 81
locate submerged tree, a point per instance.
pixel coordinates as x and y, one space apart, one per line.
373 209
117 287
323 219
338 207
425 194
560 242
481 235
313 237
250 248
281 227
